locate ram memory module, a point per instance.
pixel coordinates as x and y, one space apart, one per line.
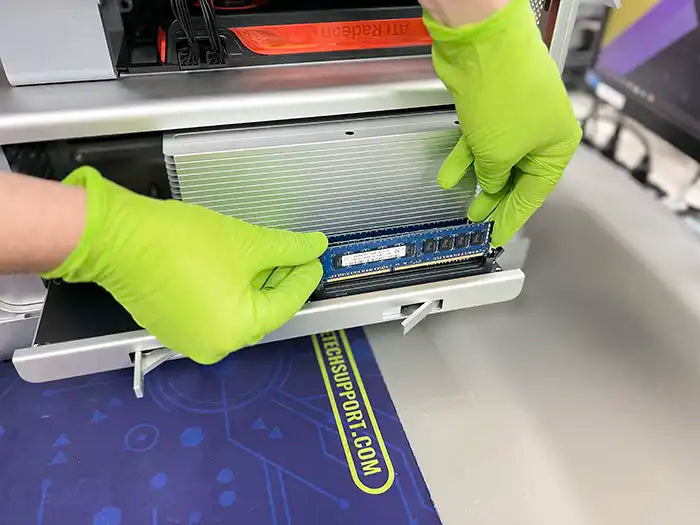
409 255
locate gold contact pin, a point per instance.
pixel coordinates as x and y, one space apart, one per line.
407 267
354 276
441 261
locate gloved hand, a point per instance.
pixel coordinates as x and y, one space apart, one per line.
518 127
190 276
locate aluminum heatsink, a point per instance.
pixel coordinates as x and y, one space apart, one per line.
334 176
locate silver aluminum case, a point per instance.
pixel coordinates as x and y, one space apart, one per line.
47 41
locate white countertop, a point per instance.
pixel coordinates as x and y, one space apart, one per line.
577 402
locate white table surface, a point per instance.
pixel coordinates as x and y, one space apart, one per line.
577 403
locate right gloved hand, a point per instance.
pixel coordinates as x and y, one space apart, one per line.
518 127
190 276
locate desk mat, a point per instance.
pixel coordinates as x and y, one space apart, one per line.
293 432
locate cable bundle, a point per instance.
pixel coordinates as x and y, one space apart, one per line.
182 14
217 55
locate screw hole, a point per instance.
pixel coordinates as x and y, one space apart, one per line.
349 132
457 122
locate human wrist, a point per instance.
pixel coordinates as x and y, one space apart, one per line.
98 246
457 13
43 221
515 18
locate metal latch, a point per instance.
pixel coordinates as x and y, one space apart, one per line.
145 362
418 312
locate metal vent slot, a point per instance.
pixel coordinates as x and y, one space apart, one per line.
337 177
538 7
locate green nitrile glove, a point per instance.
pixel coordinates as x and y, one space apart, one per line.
518 127
190 276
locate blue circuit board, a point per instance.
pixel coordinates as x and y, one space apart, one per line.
384 251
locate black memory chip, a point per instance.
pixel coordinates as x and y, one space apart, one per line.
429 245
445 244
462 240
478 238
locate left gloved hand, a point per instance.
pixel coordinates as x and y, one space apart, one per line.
198 281
518 128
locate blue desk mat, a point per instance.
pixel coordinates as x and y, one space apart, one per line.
294 432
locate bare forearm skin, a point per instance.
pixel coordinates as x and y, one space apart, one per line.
41 222
456 13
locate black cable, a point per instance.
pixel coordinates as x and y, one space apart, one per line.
210 22
209 16
640 172
186 20
609 150
632 129
182 15
622 124
691 210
